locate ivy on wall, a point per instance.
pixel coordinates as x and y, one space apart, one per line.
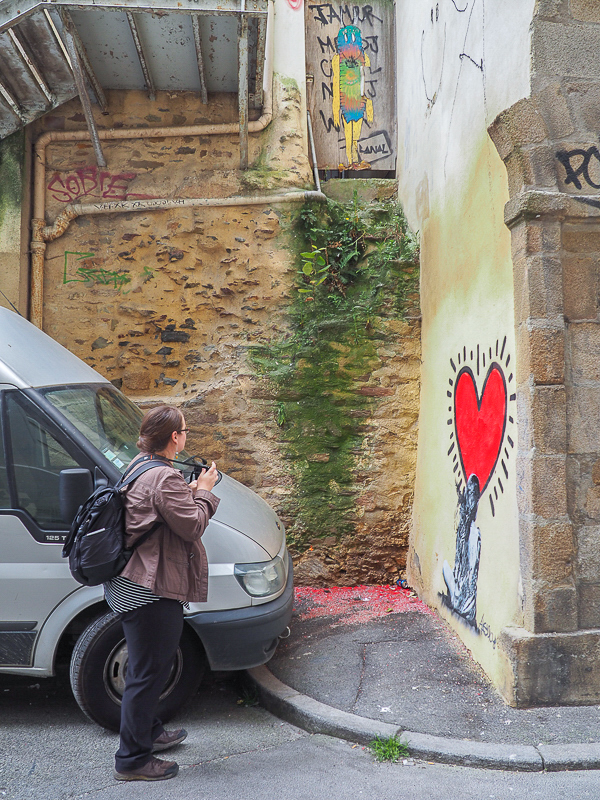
357 267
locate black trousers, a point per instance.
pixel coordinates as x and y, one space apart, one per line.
152 633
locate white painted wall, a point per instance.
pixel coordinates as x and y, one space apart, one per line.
461 62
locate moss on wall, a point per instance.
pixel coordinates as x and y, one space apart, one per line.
357 268
11 159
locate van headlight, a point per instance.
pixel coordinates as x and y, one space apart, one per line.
262 578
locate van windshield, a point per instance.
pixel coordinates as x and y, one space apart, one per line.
108 419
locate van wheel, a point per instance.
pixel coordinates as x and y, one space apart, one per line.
99 669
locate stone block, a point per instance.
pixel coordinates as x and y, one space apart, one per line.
531 237
577 167
550 9
555 608
549 419
542 165
583 407
592 503
552 552
584 345
585 10
548 486
519 171
540 352
519 125
544 283
555 111
584 99
580 282
581 238
589 605
500 134
553 668
562 49
136 381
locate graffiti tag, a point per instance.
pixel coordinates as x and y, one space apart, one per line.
98 275
141 204
577 165
92 182
487 632
326 13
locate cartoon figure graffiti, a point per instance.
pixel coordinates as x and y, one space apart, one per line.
349 99
477 446
461 581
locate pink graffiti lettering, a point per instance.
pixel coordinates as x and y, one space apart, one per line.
92 182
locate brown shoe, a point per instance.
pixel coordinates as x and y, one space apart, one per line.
155 770
169 739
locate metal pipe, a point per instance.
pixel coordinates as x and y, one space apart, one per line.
83 56
141 56
199 58
243 89
261 37
313 155
30 66
48 233
38 223
82 91
12 103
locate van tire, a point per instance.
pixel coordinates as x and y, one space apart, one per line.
98 664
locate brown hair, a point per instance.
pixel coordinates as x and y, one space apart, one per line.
157 426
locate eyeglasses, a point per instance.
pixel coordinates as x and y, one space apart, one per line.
184 430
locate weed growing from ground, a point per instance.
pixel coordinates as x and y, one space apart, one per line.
390 749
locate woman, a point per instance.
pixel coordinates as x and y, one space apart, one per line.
168 569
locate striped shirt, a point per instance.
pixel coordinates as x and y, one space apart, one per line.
123 595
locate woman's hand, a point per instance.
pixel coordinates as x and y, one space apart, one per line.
207 480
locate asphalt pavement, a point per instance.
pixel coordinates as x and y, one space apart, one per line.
50 751
363 662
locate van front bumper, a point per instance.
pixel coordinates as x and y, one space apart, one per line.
242 638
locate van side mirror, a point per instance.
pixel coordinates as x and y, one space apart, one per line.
74 488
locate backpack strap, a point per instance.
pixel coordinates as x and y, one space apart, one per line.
134 471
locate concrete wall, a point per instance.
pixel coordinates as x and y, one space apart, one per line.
454 76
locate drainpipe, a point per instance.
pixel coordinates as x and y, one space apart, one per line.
42 234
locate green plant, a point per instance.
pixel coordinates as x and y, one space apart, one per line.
388 749
248 696
357 268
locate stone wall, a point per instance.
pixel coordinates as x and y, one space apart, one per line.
168 304
548 143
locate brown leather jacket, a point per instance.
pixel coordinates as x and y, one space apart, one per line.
172 561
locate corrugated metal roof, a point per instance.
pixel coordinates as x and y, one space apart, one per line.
130 44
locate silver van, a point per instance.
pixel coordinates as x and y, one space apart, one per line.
56 414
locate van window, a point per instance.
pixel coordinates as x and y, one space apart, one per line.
38 459
108 419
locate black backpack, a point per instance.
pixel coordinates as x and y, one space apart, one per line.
95 544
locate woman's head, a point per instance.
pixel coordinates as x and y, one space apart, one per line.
157 428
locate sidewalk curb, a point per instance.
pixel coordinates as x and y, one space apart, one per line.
316 717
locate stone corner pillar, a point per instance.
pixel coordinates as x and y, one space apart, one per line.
548 143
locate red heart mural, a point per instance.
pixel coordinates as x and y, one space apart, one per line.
480 422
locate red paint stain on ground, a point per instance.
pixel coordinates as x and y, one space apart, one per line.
355 604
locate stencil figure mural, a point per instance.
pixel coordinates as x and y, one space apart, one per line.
351 95
480 441
350 102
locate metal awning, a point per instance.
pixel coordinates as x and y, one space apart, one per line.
54 50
